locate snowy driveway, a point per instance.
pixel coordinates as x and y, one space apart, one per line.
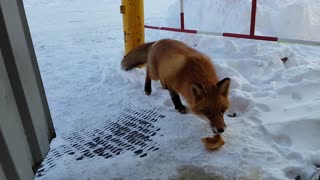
108 129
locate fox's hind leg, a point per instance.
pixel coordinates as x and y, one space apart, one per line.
147 84
177 102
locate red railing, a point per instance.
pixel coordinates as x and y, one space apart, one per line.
234 35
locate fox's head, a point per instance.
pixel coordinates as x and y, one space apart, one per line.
211 102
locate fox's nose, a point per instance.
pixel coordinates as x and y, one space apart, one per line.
220 130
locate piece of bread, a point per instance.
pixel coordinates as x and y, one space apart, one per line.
214 142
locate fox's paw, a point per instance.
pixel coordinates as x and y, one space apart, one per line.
182 110
147 90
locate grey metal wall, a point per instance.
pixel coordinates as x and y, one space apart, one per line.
26 127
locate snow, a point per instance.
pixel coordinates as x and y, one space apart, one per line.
295 19
79 46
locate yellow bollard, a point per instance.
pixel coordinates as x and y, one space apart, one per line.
133 23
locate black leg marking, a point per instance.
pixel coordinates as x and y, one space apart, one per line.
147 85
177 102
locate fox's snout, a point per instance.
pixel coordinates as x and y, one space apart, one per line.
217 130
218 126
220 130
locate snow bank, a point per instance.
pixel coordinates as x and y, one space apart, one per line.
295 19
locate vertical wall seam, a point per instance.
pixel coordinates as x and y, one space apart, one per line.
22 14
18 93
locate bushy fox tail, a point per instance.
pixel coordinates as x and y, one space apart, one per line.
136 57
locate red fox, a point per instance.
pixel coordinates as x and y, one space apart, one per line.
183 71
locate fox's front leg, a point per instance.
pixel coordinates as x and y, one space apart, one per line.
147 84
177 102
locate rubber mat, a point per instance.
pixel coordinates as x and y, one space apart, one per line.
132 130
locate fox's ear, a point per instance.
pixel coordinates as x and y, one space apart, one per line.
198 90
223 86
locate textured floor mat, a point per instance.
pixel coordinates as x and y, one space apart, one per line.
132 131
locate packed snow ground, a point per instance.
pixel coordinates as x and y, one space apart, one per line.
79 45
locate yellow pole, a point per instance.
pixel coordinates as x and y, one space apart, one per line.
133 23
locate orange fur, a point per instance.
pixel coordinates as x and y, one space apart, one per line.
191 74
